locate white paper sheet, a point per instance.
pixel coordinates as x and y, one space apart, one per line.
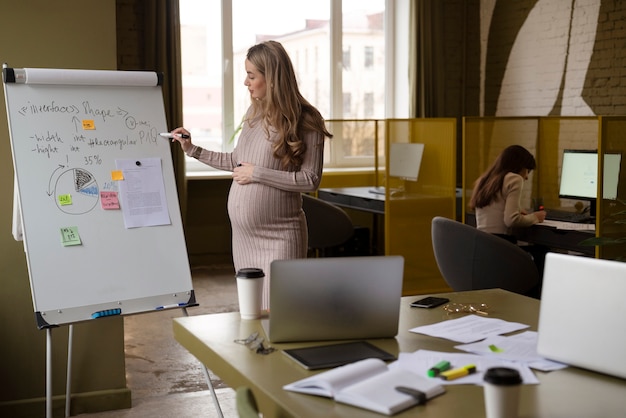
572 226
519 347
142 193
469 328
421 361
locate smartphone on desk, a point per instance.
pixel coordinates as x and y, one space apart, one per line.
429 302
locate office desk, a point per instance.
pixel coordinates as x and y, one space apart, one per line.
567 393
560 239
563 239
359 198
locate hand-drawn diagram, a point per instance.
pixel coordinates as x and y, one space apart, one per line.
81 185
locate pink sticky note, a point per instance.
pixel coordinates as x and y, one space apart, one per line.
109 200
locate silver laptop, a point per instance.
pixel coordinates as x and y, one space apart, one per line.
335 298
581 319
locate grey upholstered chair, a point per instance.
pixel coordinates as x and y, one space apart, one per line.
328 224
470 259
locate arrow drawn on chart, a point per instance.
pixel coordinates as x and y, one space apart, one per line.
50 192
77 123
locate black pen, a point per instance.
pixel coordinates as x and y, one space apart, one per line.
170 136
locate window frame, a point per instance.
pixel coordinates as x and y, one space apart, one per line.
396 80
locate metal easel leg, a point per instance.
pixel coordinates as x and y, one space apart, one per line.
68 383
210 384
49 373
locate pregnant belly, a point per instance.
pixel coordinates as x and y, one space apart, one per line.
253 206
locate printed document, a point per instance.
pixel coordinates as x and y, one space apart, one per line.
519 347
469 328
142 192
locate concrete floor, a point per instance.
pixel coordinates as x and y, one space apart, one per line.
164 379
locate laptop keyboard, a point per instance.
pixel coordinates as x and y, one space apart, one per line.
567 216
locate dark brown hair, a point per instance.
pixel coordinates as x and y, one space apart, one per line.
513 159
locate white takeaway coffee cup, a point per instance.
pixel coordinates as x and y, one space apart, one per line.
250 292
502 388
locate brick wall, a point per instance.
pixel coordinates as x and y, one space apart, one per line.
554 57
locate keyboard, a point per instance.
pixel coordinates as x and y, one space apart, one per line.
567 216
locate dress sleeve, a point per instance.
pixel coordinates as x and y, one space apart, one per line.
307 179
512 193
220 160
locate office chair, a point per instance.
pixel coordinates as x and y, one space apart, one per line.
246 403
470 259
328 224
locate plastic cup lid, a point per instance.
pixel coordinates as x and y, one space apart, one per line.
502 376
250 273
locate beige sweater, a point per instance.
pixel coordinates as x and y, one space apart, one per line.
505 213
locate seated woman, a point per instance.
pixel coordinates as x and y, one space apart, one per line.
496 199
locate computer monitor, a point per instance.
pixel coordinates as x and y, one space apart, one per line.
579 176
405 160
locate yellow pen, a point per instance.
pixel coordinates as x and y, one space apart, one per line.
458 372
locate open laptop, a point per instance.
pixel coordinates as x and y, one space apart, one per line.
335 298
581 320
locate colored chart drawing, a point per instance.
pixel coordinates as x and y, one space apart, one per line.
83 188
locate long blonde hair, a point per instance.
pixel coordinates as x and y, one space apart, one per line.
284 108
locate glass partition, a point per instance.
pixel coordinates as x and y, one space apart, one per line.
612 211
414 198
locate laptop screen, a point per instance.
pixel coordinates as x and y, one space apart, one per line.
335 298
581 322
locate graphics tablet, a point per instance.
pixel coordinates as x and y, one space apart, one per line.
326 356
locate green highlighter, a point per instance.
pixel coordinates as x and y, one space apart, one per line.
442 366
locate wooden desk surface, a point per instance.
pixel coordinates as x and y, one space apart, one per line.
572 392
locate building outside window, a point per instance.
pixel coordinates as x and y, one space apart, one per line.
368 105
347 104
368 53
346 59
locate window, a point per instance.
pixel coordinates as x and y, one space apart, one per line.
347 105
368 105
346 59
368 57
214 97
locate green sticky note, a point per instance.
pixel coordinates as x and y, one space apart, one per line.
495 349
65 199
69 236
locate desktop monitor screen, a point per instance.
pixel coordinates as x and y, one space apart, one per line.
405 160
579 175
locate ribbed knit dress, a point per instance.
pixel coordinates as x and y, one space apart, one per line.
266 216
